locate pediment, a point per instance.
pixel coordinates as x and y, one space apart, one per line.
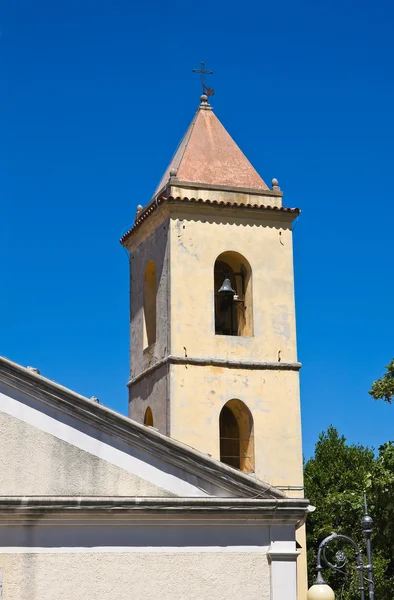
56 442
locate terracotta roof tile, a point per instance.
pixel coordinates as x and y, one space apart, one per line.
207 154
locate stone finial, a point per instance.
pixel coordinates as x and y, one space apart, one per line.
94 399
33 370
139 208
173 173
204 102
275 185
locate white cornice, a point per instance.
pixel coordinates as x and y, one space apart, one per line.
117 510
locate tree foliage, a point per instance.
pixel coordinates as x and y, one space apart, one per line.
335 478
383 388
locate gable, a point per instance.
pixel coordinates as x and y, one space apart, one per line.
46 452
54 441
34 462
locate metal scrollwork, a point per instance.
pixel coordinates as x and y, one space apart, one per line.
365 571
340 556
341 559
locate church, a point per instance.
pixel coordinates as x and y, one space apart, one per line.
198 493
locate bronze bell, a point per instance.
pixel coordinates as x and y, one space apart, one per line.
226 288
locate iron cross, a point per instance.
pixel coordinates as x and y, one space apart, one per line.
205 89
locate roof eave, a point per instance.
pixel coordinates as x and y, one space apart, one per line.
154 204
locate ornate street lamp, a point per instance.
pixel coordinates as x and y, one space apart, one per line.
320 590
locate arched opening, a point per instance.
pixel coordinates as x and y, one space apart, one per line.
148 418
236 436
229 438
150 288
233 309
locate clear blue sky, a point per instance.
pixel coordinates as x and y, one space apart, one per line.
96 96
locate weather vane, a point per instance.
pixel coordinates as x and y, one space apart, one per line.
205 89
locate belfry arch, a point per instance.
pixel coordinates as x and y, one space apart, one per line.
233 310
150 289
148 417
237 436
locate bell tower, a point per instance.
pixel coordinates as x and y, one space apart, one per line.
213 359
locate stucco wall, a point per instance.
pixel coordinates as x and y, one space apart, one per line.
194 395
259 197
121 576
127 557
199 393
152 391
153 247
33 462
197 239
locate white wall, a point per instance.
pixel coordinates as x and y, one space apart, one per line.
123 576
147 560
122 557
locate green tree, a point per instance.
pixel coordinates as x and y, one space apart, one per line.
383 388
335 478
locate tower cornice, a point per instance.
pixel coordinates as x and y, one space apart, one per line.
152 207
203 361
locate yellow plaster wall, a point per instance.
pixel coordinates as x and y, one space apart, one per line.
187 404
266 197
197 239
151 242
151 246
198 394
153 391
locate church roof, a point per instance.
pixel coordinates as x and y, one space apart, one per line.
190 464
207 154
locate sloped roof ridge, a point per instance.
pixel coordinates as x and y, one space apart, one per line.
177 156
214 157
208 154
114 423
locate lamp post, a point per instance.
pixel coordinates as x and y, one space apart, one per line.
320 590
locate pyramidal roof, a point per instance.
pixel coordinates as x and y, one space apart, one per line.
207 154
